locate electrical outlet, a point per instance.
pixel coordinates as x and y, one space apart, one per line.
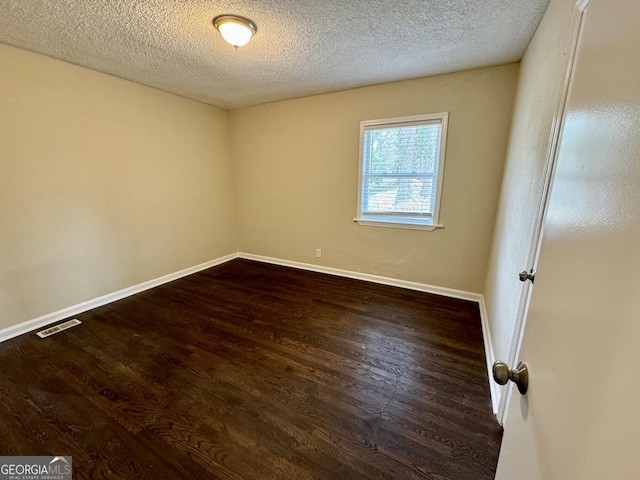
318 252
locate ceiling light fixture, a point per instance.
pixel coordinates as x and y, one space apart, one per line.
234 29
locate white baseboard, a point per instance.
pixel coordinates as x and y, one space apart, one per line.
490 356
421 287
45 320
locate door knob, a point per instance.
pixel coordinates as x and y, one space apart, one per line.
519 376
524 275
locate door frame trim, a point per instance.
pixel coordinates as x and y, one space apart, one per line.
549 168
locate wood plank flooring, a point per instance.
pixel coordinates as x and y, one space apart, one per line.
255 371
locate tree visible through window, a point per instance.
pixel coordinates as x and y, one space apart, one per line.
401 168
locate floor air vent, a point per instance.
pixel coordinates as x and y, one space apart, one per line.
58 328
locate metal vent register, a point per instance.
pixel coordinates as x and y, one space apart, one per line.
58 328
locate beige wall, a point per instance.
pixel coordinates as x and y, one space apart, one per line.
297 172
106 184
103 184
541 74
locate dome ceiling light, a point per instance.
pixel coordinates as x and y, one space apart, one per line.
234 29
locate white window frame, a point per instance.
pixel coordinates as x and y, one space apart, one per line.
399 220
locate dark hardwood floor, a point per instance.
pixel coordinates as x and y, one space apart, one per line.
255 371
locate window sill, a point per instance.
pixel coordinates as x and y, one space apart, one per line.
396 223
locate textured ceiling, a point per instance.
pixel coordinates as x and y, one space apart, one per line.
302 47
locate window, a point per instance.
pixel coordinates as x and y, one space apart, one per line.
401 168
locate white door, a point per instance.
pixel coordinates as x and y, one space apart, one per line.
539 106
581 417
